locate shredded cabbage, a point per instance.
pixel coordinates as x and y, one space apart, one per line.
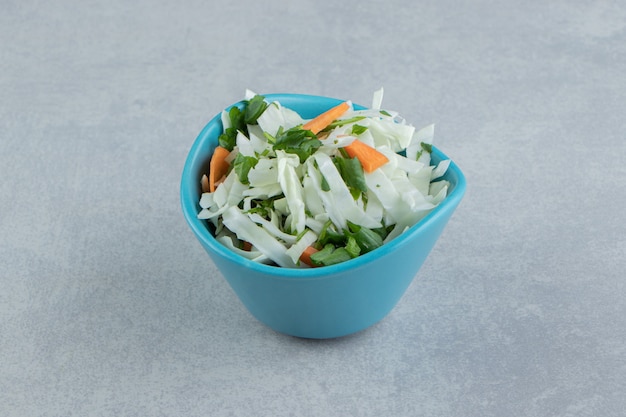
289 189
258 236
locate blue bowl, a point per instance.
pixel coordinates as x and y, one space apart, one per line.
330 301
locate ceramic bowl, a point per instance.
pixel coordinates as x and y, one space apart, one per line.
325 302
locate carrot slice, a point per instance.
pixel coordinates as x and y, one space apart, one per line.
247 246
369 157
321 121
219 167
306 256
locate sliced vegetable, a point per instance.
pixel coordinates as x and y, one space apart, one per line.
365 238
420 147
305 241
330 235
370 158
247 230
297 141
377 99
219 166
352 247
256 106
338 201
358 129
342 122
351 171
242 166
330 255
292 189
306 256
318 123
204 183
236 117
292 193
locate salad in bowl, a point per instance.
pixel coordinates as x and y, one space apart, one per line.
300 193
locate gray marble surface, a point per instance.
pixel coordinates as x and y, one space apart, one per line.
109 306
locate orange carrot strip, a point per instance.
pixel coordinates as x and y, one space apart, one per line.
306 256
369 157
321 121
247 246
219 167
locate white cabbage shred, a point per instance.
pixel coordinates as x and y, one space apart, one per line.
284 204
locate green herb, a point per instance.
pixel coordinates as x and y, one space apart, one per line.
325 186
228 139
385 113
426 147
351 171
302 233
264 208
342 122
270 138
297 141
367 239
383 231
358 129
328 234
330 255
237 119
256 106
242 166
342 246
353 247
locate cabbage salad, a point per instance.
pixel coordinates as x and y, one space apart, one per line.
300 193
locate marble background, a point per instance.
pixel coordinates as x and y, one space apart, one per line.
109 306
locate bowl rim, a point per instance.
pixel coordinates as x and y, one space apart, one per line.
197 156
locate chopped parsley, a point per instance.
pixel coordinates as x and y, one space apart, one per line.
296 140
358 129
242 166
351 171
